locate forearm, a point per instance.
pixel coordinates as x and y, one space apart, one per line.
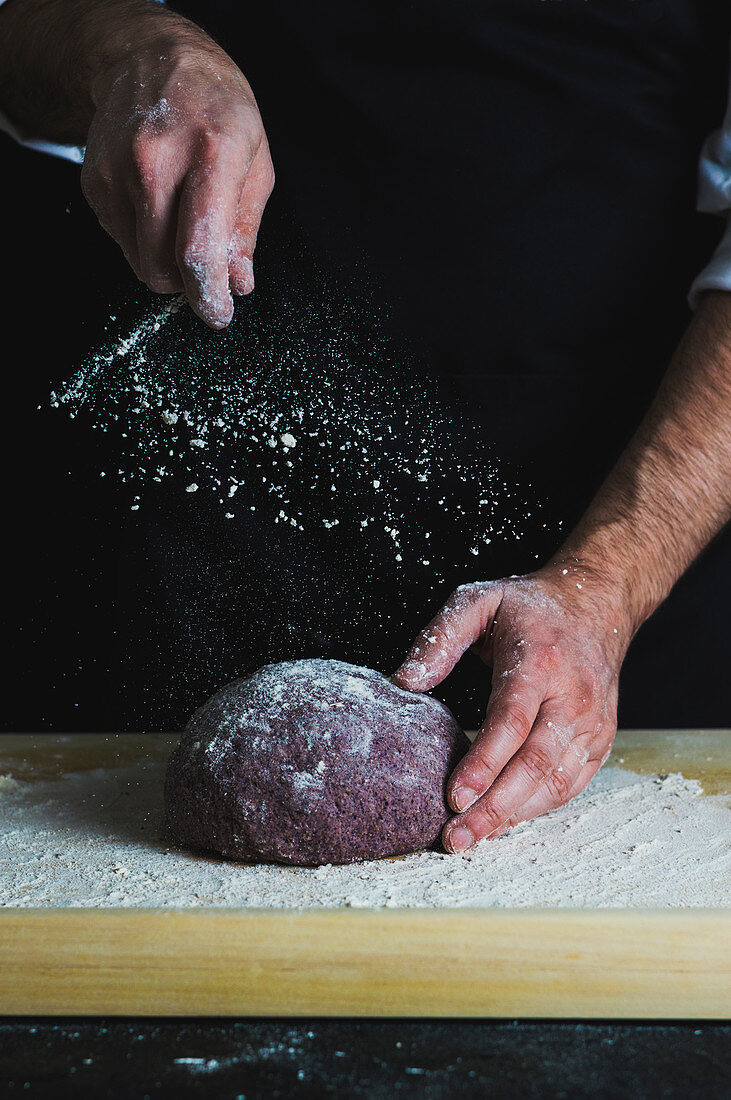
54 53
556 639
670 491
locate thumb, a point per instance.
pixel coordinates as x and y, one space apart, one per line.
465 619
256 191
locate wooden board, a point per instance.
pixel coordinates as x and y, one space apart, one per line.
366 963
545 963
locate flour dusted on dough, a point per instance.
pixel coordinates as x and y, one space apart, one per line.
312 762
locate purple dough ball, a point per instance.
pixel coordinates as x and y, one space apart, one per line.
311 762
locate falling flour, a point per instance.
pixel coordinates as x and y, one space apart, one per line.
96 839
302 440
322 427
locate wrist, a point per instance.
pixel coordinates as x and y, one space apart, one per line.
153 47
623 577
602 587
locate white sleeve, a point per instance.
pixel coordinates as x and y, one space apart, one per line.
714 197
69 152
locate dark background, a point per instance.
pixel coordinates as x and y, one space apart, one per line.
61 280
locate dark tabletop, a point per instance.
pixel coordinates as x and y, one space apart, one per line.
431 1059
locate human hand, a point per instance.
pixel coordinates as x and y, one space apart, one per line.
178 170
555 641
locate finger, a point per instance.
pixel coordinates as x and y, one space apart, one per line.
254 197
465 618
206 219
155 228
153 177
541 760
551 793
517 694
547 798
156 214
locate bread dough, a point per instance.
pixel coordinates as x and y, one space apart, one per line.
311 762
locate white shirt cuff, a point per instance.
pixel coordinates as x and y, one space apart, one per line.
74 153
714 197
717 274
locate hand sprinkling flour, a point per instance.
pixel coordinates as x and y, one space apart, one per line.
177 166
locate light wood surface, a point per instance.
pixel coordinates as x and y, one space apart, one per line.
457 962
366 963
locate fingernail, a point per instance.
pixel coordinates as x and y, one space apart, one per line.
460 838
463 798
411 670
217 311
249 277
245 283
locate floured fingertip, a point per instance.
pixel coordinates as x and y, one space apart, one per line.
411 675
241 276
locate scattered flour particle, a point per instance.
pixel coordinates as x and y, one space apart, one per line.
287 440
192 488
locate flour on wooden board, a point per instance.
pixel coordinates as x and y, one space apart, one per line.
96 839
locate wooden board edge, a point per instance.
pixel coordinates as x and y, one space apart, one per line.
559 963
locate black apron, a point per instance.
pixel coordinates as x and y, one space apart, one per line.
513 183
508 189
514 179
